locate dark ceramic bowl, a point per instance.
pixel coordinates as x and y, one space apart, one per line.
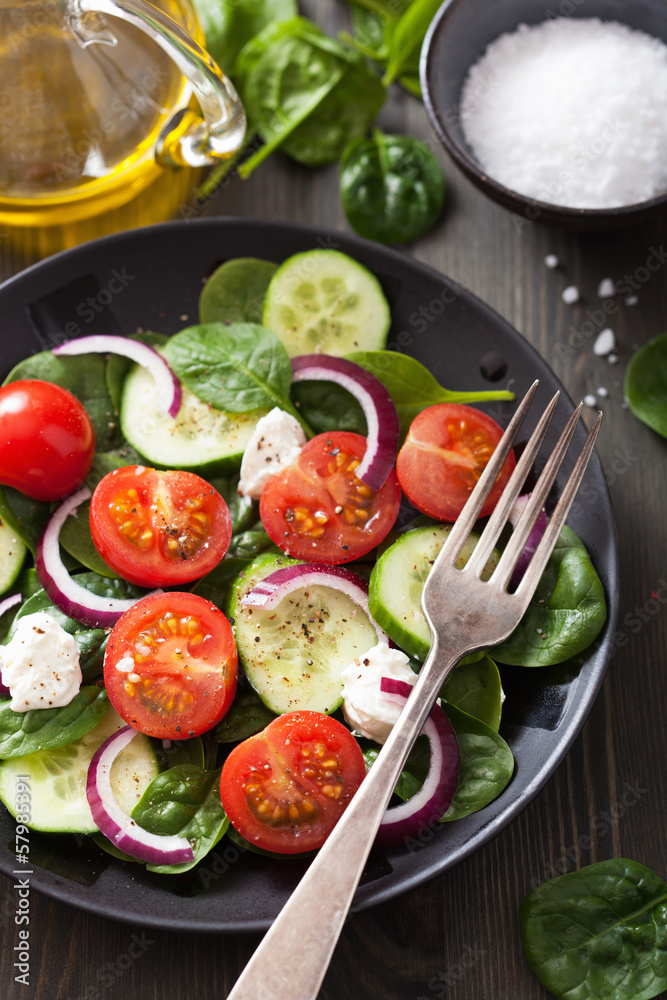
459 35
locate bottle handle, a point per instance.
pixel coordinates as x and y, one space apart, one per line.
187 138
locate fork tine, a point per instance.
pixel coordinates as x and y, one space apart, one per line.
546 545
498 518
526 522
462 527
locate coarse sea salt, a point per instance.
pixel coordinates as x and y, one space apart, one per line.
571 112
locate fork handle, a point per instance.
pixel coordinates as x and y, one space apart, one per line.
292 959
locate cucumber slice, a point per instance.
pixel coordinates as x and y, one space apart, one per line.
57 779
398 579
12 553
200 439
323 300
294 655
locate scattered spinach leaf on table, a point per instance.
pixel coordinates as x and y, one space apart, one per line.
391 187
247 716
646 384
407 38
599 933
229 24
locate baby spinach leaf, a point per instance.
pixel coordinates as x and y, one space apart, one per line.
27 517
76 539
327 406
408 36
84 376
91 641
105 462
305 93
599 932
249 544
646 384
243 511
487 764
216 585
237 368
184 801
247 716
22 733
475 689
391 187
229 24
566 612
235 292
412 386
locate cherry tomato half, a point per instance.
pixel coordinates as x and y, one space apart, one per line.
444 454
318 509
159 528
171 666
47 441
285 788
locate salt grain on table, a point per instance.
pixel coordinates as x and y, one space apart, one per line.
551 261
606 289
570 295
605 342
590 401
572 112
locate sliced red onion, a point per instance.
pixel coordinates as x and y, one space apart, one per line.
68 595
269 592
114 823
168 387
9 602
425 809
378 406
534 537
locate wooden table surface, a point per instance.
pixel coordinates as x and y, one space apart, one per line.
457 936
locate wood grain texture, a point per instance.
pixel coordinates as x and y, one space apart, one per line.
457 937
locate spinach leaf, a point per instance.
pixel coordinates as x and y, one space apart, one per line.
235 292
243 511
216 585
237 368
186 801
412 386
27 517
305 93
22 733
85 377
407 38
229 24
91 641
475 689
566 612
247 716
327 406
646 384
249 544
598 932
76 539
105 462
391 187
487 765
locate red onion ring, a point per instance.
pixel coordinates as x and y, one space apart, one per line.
426 808
269 592
534 537
114 823
378 406
68 595
167 386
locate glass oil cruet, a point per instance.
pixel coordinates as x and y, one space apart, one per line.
108 110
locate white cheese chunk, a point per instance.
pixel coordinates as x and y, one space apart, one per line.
364 705
40 665
275 444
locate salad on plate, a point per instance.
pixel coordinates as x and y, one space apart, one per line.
214 546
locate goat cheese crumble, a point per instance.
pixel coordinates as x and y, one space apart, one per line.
276 442
40 664
364 705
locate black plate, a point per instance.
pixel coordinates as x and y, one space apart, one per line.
151 278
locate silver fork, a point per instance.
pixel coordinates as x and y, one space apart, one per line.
464 615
